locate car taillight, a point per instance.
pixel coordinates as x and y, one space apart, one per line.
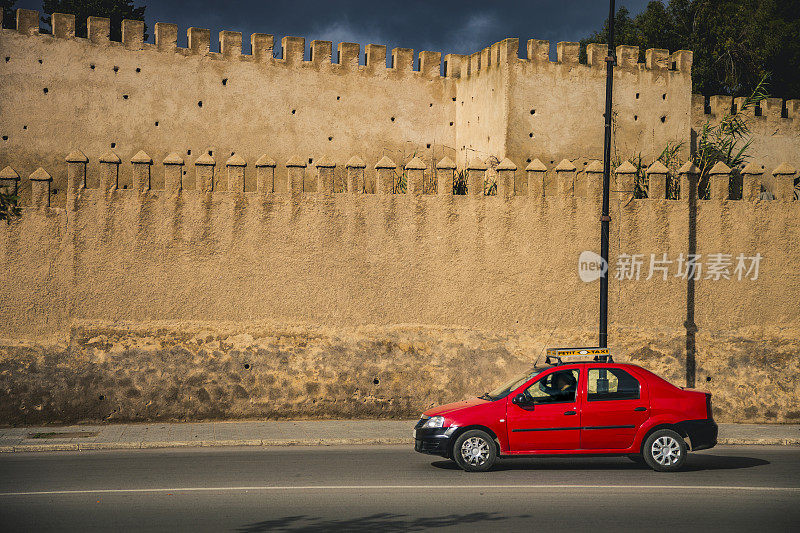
709 411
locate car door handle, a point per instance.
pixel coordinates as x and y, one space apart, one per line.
641 409
570 413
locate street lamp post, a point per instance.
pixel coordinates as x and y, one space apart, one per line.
605 219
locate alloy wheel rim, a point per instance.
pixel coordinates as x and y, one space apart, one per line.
475 451
666 451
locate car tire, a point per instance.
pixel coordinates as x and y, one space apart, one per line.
474 451
665 451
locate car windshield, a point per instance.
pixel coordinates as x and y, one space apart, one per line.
506 389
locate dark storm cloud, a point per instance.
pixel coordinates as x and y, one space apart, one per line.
447 26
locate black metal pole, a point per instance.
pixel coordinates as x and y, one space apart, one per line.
605 219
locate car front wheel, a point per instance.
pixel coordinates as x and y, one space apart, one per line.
665 451
474 451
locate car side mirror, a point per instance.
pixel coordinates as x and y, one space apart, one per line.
521 401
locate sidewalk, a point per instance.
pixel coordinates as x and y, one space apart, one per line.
283 433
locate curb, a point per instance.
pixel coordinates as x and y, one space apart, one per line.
266 443
146 445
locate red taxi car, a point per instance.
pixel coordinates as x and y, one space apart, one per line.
584 407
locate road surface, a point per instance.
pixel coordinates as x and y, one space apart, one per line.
391 488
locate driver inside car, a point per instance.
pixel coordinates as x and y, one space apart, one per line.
563 389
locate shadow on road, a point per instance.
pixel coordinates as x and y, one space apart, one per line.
375 522
694 463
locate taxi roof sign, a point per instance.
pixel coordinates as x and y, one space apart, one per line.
592 354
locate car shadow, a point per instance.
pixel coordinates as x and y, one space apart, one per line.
384 522
694 463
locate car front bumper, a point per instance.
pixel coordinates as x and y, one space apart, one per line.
702 433
433 441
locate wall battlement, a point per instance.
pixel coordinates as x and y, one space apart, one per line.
292 50
774 111
385 177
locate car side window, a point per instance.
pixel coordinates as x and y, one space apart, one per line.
555 387
611 384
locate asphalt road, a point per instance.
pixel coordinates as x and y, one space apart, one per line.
391 488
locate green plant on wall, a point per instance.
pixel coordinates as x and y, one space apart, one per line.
727 142
9 205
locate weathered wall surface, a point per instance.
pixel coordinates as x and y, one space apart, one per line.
190 371
556 109
129 294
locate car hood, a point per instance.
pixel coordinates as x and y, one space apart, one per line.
456 406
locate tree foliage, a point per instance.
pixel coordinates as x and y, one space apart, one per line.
116 10
9 15
736 43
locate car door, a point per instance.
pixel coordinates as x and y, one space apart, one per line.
550 420
615 406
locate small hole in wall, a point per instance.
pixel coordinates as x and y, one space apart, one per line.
116 68
310 160
233 153
224 81
40 61
55 191
528 160
637 96
8 59
430 105
338 97
113 145
91 66
247 366
533 111
451 123
138 69
708 378
530 135
5 137
664 96
184 172
124 186
200 103
45 90
101 397
294 111
635 117
124 96
428 145
376 381
188 152
24 127
210 152
551 161
664 118
392 119
156 123
454 98
330 138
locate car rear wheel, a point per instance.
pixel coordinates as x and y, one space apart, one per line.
665 451
474 451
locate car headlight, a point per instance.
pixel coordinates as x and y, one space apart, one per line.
434 422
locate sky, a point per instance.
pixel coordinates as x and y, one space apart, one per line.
447 26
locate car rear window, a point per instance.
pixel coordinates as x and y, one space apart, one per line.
612 384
